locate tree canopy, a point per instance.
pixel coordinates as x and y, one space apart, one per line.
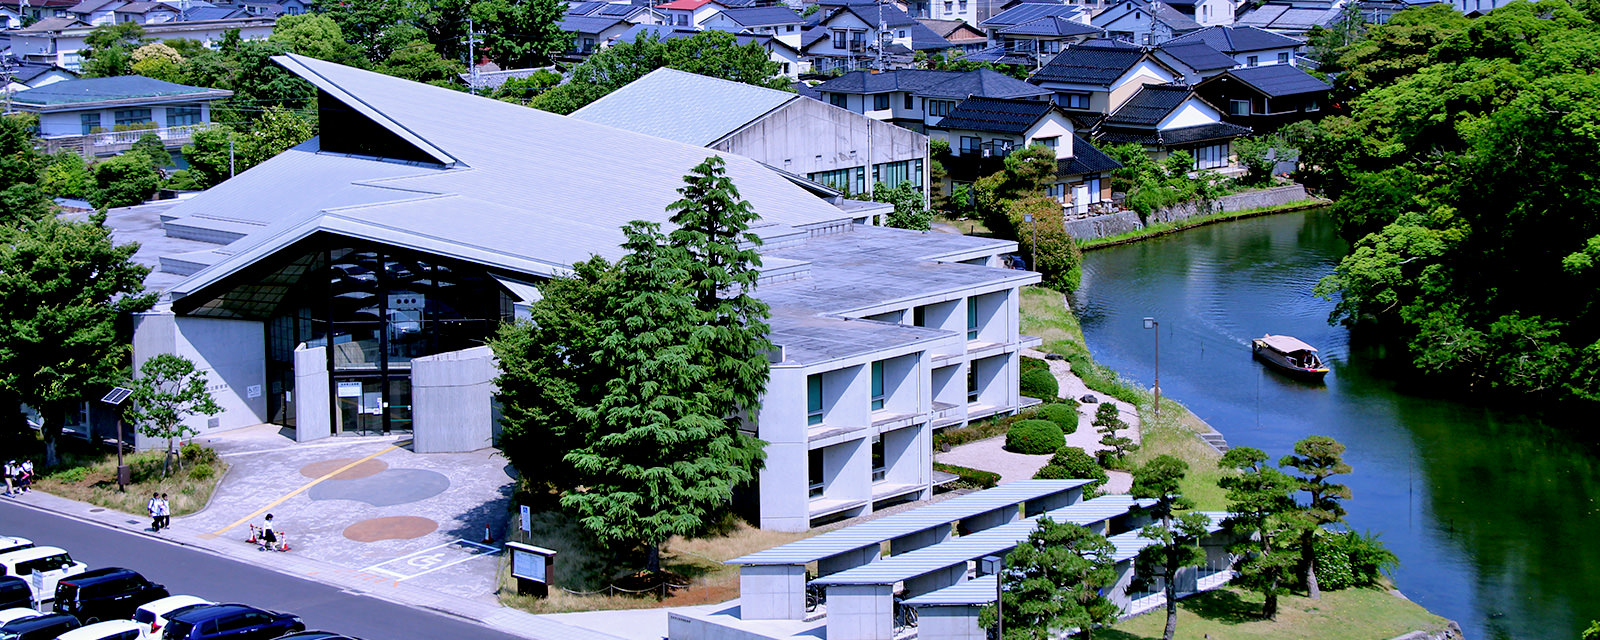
167 390
711 53
1056 581
1465 172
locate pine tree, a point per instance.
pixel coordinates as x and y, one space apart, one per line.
1177 537
1261 501
1317 458
1055 581
1108 421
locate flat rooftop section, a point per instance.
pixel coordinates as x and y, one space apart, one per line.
903 524
979 590
875 266
808 338
1129 544
977 545
143 224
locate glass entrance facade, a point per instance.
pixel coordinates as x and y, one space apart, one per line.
374 308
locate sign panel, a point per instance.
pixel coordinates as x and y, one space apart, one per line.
350 389
527 519
253 391
527 565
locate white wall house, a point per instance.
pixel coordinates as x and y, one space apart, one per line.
1132 21
60 44
105 116
1168 118
690 13
981 132
1249 46
1099 76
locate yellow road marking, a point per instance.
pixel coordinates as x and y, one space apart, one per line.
302 489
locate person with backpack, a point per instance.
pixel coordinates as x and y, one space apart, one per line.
10 470
26 474
163 513
155 520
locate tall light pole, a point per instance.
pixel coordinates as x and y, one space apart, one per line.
1150 323
994 565
115 398
1033 242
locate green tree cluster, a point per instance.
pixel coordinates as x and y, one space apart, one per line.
1152 185
1465 174
108 49
220 152
627 391
910 212
167 390
1006 198
711 53
1053 582
1073 463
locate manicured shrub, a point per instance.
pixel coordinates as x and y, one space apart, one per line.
201 471
1072 463
196 454
1349 559
1106 412
1032 364
1034 437
1039 384
970 478
1064 414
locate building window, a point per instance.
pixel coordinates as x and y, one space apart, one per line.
880 102
1073 100
963 6
972 384
1283 58
785 68
1211 156
1057 192
789 28
1312 105
178 116
90 122
853 180
126 117
839 100
891 174
970 145
919 317
683 20
588 45
879 468
814 466
814 400
1051 141
839 39
1251 61
877 385
972 318
909 104
940 108
1238 107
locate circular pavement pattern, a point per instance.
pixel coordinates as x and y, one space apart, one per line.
367 468
390 528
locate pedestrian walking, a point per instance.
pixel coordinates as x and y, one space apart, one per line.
155 520
269 538
10 472
27 476
164 512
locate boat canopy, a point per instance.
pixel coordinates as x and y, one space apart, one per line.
1286 344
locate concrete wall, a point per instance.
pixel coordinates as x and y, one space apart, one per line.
452 401
807 136
312 411
1110 225
231 353
772 592
949 623
860 612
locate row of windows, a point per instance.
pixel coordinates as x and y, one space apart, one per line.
177 116
1211 156
1252 61
814 403
891 174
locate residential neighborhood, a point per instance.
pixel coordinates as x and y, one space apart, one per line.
801 320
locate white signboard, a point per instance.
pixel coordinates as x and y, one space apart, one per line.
527 519
253 391
38 588
527 565
349 389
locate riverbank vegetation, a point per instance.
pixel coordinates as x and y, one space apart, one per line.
1465 173
1164 228
1352 614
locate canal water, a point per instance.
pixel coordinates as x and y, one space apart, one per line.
1494 511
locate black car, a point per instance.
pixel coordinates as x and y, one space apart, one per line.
111 593
45 627
231 621
317 635
15 592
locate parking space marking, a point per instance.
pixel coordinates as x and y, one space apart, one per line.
306 486
431 559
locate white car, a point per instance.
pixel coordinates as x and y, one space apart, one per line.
153 615
10 543
50 563
108 630
17 613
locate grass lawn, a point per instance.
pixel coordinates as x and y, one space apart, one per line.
1228 614
967 226
88 475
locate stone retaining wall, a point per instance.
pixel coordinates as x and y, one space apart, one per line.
1128 221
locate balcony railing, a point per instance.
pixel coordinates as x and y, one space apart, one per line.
114 142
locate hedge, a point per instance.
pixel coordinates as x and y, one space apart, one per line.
973 478
1073 463
1064 414
1040 383
1034 437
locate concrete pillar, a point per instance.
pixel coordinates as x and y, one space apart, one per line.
860 612
949 623
772 592
312 408
783 481
452 401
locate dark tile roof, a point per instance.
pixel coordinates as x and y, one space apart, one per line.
87 90
934 84
26 72
984 83
1028 12
585 24
1277 80
922 38
1170 137
54 23
194 14
996 115
1053 26
1238 39
1149 106
762 16
1173 18
1086 63
947 28
1198 56
1086 158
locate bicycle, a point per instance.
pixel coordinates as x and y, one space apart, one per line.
905 616
815 595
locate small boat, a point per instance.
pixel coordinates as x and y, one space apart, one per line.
1290 355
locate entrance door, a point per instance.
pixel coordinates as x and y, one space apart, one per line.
1080 198
360 407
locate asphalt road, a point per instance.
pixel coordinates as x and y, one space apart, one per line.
188 571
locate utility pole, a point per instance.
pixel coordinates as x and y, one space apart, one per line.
230 154
882 30
472 57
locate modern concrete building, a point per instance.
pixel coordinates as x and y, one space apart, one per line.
846 151
348 286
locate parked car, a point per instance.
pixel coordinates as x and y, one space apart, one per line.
45 627
15 592
17 613
52 563
317 635
12 543
153 615
109 593
231 621
108 630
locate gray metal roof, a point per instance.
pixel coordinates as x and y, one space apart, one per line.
1129 544
999 540
979 590
118 89
901 524
683 106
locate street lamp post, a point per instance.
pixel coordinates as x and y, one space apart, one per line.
1033 242
1150 323
115 398
994 565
